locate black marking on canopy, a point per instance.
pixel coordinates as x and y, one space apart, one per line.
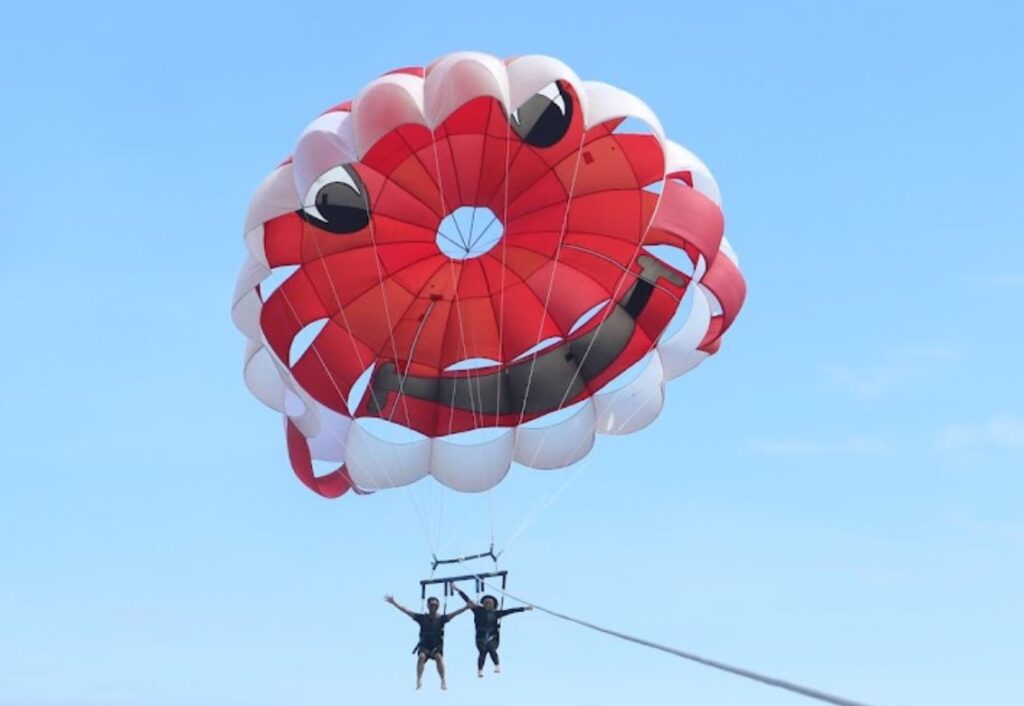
338 207
540 122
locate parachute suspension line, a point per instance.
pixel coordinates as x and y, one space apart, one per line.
388 318
457 304
478 392
626 272
456 281
464 521
404 377
440 191
450 239
547 301
479 395
540 507
440 518
714 664
490 514
432 533
334 383
418 499
319 356
474 240
500 315
479 236
476 192
414 500
554 270
550 499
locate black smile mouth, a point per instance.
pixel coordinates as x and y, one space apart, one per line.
538 384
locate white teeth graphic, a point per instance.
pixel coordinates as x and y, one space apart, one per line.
540 346
472 364
346 178
304 339
588 315
338 175
358 391
277 277
515 116
552 93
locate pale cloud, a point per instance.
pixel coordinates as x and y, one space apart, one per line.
875 575
989 529
899 366
998 281
794 447
886 577
1005 432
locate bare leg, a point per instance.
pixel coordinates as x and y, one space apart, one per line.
440 670
420 661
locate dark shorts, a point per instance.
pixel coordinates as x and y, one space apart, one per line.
430 651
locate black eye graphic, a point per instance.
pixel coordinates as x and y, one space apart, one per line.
337 202
544 119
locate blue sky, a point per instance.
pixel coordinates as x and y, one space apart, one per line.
835 499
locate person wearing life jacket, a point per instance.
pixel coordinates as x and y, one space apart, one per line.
487 620
431 639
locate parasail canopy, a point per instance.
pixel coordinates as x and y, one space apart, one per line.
468 255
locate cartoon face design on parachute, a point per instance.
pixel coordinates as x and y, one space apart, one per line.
473 248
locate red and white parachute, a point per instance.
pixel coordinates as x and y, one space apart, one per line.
474 251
